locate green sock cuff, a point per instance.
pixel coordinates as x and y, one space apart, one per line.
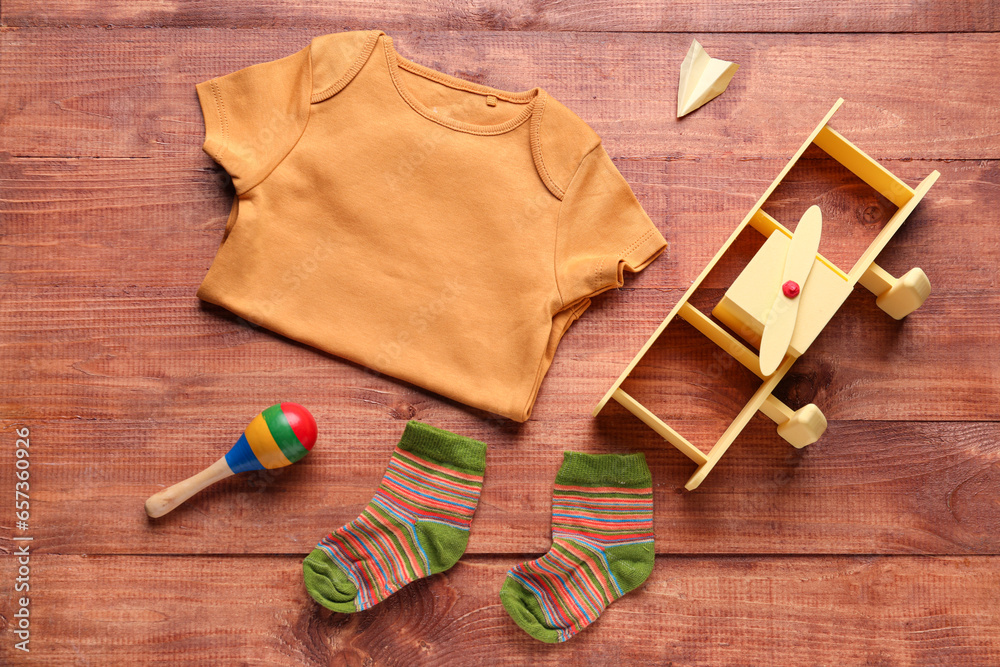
622 470
444 448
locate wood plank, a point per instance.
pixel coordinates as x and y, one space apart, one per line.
687 376
89 222
865 487
574 15
153 353
82 92
692 611
877 545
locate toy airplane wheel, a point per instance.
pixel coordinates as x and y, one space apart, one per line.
804 427
908 294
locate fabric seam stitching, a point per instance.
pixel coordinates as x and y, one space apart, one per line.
220 109
359 62
555 249
294 144
393 61
536 154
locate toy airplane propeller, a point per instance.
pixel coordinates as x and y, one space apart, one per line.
781 319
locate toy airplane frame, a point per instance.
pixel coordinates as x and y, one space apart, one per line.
751 305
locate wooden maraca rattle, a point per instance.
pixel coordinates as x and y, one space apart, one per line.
277 437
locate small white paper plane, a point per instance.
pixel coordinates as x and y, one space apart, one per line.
703 78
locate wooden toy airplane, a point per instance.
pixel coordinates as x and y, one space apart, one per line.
784 297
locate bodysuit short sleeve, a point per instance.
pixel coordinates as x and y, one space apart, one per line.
253 117
602 231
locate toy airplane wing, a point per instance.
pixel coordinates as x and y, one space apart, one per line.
703 78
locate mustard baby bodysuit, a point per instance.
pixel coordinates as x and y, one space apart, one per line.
432 229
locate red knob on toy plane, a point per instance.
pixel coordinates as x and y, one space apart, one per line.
277 437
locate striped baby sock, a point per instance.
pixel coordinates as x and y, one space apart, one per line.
416 525
602 547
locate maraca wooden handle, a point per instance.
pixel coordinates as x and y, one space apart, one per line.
168 499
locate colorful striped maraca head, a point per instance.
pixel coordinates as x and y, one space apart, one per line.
277 437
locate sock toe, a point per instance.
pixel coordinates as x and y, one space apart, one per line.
522 606
328 584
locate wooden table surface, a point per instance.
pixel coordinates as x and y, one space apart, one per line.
878 545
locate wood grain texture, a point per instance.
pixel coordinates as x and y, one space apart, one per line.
124 353
866 487
84 222
546 15
877 545
130 92
692 611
